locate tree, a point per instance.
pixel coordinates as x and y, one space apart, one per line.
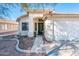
25 6
5 9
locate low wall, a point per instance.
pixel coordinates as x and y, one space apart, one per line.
8 33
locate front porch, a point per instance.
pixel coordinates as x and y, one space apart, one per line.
38 26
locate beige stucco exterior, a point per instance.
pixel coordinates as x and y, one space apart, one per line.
48 17
31 19
8 25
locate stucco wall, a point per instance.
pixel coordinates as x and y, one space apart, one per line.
20 26
30 21
64 28
67 29
8 25
48 30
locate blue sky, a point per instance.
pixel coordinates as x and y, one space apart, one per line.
68 8
16 12
62 7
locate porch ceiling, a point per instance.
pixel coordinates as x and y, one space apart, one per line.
38 18
39 11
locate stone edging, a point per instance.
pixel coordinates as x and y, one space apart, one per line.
17 46
19 49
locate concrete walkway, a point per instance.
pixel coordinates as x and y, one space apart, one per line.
37 46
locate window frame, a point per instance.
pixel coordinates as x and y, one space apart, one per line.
25 26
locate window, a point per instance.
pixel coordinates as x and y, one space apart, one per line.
1 26
24 26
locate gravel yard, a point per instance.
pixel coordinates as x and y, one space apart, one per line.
7 48
26 43
70 48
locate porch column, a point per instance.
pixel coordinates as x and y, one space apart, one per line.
53 30
37 27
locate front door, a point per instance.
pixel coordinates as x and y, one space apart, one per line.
40 28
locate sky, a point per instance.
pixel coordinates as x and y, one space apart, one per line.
61 7
68 8
16 12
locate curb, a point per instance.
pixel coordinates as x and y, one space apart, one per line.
19 49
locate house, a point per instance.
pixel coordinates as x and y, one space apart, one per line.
39 22
8 26
31 23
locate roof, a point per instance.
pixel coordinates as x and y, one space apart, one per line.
61 15
49 14
19 18
7 21
33 12
39 11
